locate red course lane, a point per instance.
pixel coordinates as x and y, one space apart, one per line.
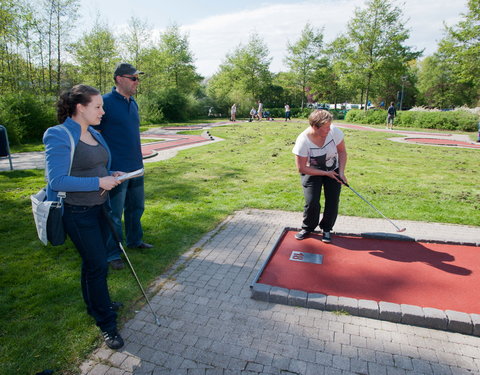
442 276
168 141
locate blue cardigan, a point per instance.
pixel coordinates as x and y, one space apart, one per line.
57 160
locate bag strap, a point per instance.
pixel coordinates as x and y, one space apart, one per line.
63 194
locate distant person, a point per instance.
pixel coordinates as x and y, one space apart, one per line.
260 110
478 138
85 205
391 113
287 112
233 112
120 126
320 157
253 114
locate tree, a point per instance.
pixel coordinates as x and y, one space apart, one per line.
244 77
97 55
291 94
135 40
376 35
305 57
461 49
169 63
438 84
344 81
60 18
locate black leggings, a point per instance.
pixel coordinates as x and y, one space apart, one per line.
312 189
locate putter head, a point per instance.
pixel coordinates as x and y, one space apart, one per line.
402 230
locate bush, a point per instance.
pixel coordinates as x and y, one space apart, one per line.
150 113
356 115
301 113
278 112
165 105
338 114
467 121
26 116
451 120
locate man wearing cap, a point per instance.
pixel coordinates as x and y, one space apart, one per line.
120 126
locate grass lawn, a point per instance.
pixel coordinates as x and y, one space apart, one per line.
43 324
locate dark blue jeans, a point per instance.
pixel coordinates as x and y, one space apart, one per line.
127 200
88 229
312 189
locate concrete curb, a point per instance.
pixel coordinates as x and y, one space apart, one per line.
427 317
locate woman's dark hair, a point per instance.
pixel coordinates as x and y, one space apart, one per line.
67 103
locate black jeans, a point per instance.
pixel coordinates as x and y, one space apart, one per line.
312 189
88 229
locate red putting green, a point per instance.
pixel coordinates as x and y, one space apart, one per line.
443 276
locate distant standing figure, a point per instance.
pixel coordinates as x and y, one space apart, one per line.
478 138
260 110
287 112
233 111
391 113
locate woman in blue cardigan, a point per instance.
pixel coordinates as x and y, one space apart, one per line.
85 188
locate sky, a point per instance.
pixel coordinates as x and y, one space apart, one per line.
216 27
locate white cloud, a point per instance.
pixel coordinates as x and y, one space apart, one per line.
213 37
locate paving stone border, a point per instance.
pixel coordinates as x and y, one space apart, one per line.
428 317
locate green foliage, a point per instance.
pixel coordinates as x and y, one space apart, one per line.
244 77
461 48
150 110
26 116
166 105
169 64
439 85
97 56
338 114
374 51
366 117
451 120
367 62
445 120
305 57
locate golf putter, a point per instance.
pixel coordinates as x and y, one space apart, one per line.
115 235
371 205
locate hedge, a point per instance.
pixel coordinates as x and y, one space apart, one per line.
303 113
451 120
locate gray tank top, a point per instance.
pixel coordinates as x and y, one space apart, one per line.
88 161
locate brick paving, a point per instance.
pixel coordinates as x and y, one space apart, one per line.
211 325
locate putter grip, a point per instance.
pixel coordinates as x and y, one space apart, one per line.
343 182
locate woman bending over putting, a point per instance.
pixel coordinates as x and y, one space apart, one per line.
320 157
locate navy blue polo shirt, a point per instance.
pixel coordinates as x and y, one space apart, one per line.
120 128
